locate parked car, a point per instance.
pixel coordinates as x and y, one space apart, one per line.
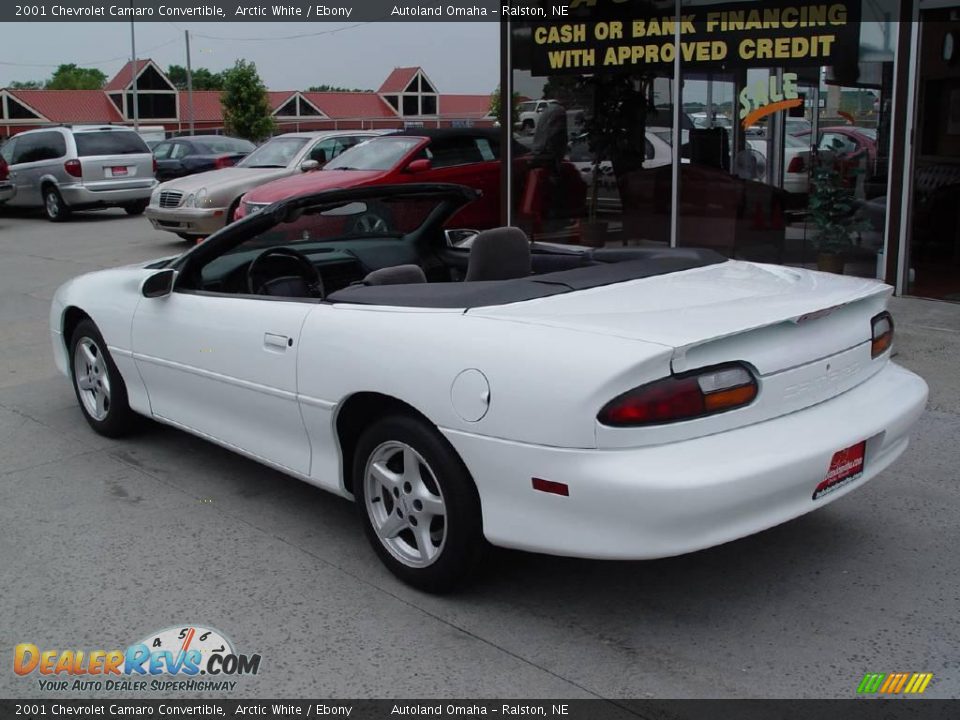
198 205
7 188
188 155
621 403
851 146
527 113
80 167
468 156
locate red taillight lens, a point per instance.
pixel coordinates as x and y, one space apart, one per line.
154 165
684 397
74 168
797 165
4 169
881 333
223 161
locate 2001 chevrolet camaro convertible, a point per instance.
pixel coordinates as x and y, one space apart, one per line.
463 389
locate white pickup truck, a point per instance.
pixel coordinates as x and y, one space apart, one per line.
527 113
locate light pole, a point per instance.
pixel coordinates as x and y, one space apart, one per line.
133 53
186 36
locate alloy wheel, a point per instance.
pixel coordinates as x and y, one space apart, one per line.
92 378
405 504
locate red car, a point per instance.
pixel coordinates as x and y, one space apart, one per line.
461 156
851 147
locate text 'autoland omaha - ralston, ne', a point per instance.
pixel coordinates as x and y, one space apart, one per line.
292 11
478 11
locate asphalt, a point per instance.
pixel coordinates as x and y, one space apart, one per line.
103 542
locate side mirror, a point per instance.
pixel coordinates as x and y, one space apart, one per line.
418 166
160 284
308 165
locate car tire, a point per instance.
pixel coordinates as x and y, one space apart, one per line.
54 207
99 388
232 211
424 522
136 208
188 238
376 218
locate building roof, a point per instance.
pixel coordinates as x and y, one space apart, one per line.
398 80
125 75
344 105
464 106
206 106
70 106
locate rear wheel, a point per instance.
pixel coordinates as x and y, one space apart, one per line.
136 208
419 506
54 207
97 383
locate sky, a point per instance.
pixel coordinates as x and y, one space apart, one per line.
458 57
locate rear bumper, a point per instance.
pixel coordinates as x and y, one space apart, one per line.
7 191
680 497
190 221
83 195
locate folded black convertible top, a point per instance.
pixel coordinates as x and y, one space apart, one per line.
606 268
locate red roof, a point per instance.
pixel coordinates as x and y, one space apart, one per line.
398 80
206 106
464 106
277 98
342 105
125 76
70 106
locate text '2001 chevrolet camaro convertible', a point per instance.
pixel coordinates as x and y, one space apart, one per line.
600 403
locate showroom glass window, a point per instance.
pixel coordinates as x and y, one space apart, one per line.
767 91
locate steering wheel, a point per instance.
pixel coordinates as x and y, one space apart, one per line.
308 275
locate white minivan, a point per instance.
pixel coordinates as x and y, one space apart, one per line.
66 168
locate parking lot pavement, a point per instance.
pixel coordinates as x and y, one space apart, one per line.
103 542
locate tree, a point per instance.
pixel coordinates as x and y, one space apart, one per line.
203 79
334 88
495 108
70 77
27 85
246 109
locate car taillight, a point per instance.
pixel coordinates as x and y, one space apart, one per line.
154 165
4 169
682 397
797 165
74 168
222 162
881 334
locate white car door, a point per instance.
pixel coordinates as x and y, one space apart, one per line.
225 366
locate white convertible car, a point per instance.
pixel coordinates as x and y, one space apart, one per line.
601 403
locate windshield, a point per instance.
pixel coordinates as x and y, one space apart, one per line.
275 153
377 154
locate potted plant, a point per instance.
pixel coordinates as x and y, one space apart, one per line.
832 211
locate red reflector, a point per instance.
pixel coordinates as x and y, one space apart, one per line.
549 486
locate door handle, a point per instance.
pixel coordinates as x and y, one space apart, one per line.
273 341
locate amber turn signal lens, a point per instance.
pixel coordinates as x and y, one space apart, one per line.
881 334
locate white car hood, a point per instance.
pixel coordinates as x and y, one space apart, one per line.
691 307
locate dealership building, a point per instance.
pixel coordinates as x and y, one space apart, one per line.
407 98
777 108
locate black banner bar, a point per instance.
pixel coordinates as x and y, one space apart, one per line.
342 11
422 709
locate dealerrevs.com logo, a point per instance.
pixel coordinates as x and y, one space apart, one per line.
176 659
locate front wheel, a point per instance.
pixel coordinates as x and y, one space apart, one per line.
418 504
97 383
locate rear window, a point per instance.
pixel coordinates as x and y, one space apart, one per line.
110 143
